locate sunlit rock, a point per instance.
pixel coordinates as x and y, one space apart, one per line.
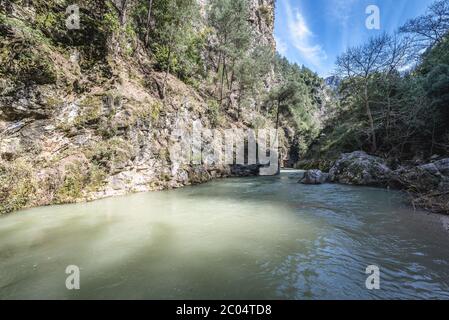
314 177
359 168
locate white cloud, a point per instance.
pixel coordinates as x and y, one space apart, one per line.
302 37
281 46
341 10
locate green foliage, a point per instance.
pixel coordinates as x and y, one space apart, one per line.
110 154
90 112
176 40
79 179
72 187
294 100
17 185
266 14
215 114
410 110
191 64
229 18
439 54
165 59
47 27
27 64
259 122
396 114
251 67
436 86
111 22
237 62
97 178
155 111
22 59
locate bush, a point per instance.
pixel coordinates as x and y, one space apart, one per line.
17 185
215 115
79 180
72 187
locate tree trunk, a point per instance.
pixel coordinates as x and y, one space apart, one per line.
238 106
277 135
123 12
277 115
371 121
170 50
222 79
166 72
387 125
433 138
147 33
217 78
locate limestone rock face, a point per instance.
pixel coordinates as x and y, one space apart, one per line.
314 177
359 168
27 102
77 125
262 18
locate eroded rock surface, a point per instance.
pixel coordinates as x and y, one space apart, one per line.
314 177
359 168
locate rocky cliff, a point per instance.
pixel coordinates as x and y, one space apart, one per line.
79 124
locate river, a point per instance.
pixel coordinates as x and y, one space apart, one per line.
238 238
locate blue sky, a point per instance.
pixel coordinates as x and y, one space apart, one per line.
315 32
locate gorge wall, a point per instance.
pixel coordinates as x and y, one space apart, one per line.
75 130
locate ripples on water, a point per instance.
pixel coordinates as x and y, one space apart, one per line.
248 238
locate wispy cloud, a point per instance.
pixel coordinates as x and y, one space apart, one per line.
281 46
302 38
341 10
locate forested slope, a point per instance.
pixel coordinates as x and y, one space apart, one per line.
394 103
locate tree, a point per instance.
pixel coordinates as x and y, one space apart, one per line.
229 18
250 71
175 36
390 102
360 63
436 85
430 28
148 23
121 6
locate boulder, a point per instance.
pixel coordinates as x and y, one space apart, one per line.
245 170
443 166
29 102
423 178
359 168
314 177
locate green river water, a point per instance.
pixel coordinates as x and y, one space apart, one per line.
239 238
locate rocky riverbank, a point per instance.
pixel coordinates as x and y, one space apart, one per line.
428 184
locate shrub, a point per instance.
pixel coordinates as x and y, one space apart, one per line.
72 187
215 116
17 185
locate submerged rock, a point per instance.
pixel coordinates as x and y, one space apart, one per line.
359 168
314 177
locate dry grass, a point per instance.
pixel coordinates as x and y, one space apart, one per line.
433 201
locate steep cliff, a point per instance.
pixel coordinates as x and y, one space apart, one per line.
79 121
